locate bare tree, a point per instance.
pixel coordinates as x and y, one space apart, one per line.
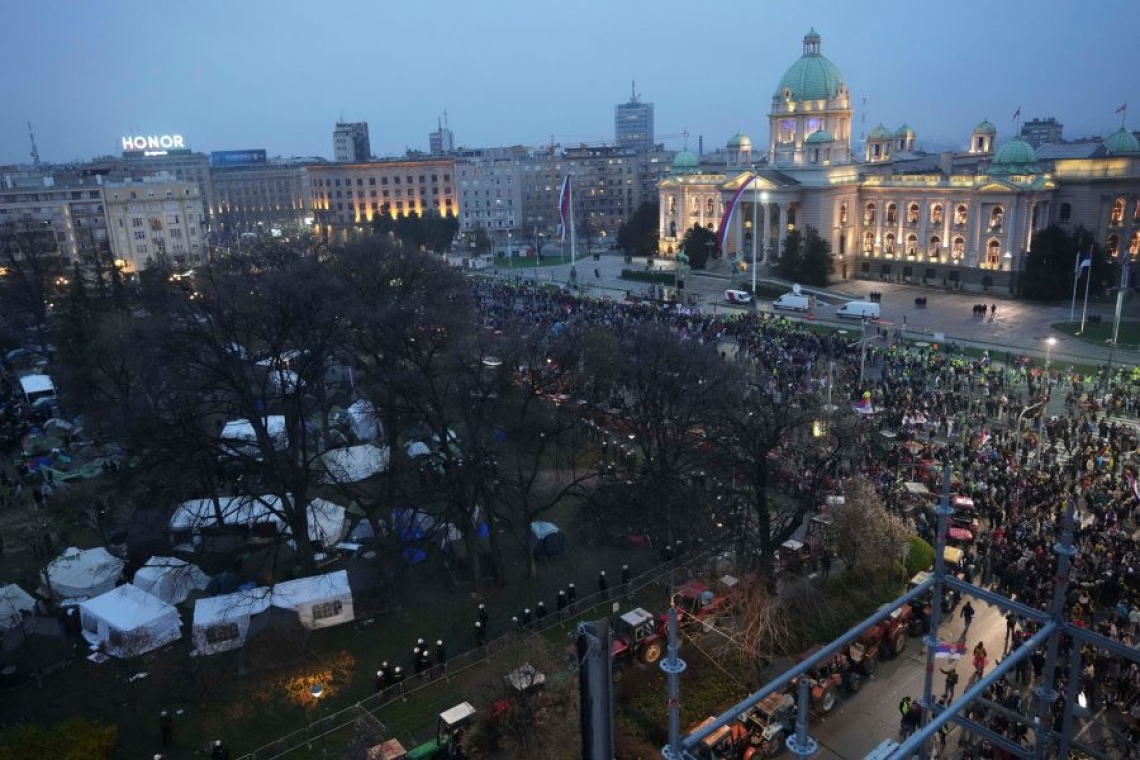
31 255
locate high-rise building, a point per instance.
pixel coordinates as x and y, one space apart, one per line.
633 123
254 194
66 213
181 163
350 143
441 142
489 184
159 218
1038 132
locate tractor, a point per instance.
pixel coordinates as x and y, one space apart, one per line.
725 742
768 722
888 637
636 637
450 731
828 677
696 604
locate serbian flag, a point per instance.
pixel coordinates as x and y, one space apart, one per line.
1133 485
985 437
564 206
1083 263
863 405
726 217
1122 108
950 649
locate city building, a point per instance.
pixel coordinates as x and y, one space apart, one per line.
489 187
1041 131
178 161
67 216
963 220
254 195
157 219
344 197
441 142
633 123
350 143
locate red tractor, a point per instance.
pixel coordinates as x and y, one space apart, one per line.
696 604
637 637
887 638
826 679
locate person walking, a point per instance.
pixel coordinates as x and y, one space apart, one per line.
981 657
220 751
951 674
1010 626
968 616
166 728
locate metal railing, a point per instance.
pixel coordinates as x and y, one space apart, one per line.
696 563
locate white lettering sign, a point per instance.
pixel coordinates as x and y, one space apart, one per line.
152 142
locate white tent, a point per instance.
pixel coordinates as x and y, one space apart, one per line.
36 387
354 463
222 623
364 421
170 579
417 449
328 522
89 572
128 621
239 438
320 601
14 601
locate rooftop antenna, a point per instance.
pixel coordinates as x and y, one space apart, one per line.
863 122
633 91
35 150
445 119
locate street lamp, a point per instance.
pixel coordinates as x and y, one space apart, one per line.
1049 343
318 691
763 228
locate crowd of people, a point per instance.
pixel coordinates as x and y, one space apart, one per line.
1026 442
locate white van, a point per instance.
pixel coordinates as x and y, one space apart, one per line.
859 310
794 302
737 296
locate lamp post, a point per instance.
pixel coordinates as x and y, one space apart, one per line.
318 691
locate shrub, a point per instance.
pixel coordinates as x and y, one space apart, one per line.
921 556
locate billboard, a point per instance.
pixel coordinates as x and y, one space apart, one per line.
237 157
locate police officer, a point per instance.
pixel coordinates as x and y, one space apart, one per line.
483 616
540 610
572 593
417 660
440 653
526 618
398 676
480 634
625 575
603 584
562 600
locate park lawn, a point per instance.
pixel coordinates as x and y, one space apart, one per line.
531 262
1101 334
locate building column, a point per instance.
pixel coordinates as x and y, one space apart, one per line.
783 231
765 241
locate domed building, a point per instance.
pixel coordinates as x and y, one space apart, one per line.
955 219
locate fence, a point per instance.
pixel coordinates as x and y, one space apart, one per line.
693 564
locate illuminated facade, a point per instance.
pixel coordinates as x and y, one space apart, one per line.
960 220
258 198
154 220
344 196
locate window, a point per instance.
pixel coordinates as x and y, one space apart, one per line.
993 254
889 243
936 214
1116 216
997 214
1134 244
136 221
929 274
912 214
843 214
1136 213
140 234
961 214
1067 212
911 244
709 207
371 180
892 214
218 634
868 241
869 214
935 244
1112 246
958 250
842 243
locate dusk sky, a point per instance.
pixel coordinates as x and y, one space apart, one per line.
277 75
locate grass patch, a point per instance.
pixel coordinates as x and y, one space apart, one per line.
643 276
531 262
1100 334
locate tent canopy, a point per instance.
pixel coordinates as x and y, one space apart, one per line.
222 622
364 420
170 579
239 437
14 601
128 622
354 463
547 540
319 601
328 522
88 572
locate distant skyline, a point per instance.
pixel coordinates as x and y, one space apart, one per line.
278 75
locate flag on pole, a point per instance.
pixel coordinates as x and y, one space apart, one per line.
1133 485
1125 262
564 206
863 405
1083 262
985 437
950 649
1016 114
1122 108
726 217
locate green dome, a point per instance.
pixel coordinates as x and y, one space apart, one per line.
685 162
1015 157
904 131
739 140
879 133
812 77
984 127
1122 141
819 136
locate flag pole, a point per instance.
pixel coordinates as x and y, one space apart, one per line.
573 236
1076 279
1120 296
1085 307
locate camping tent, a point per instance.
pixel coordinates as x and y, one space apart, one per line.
364 421
546 540
36 387
240 439
320 601
354 463
328 522
128 621
170 579
14 601
222 622
76 573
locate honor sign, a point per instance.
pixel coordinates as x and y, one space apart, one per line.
153 145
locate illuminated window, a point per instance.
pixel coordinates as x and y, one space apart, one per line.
936 214
709 206
868 242
993 254
889 243
935 244
1116 217
869 214
911 244
892 214
961 214
1134 244
959 248
912 214
996 217
843 213
1136 213
1113 245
